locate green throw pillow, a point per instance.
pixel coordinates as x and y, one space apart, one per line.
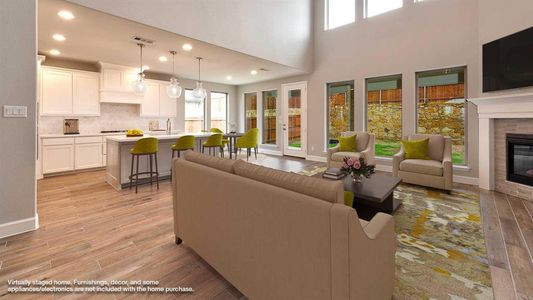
347 143
416 149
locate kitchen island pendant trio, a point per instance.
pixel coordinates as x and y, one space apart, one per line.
174 89
139 85
199 92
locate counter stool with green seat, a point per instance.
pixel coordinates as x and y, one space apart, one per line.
224 140
214 141
144 147
248 141
183 143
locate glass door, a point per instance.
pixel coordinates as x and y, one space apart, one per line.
294 111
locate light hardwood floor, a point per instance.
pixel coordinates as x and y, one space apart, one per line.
90 231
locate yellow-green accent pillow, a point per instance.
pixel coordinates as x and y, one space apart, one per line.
416 149
347 143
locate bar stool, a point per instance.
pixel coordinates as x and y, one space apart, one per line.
145 146
214 141
183 143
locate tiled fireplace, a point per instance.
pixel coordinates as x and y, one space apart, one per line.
506 120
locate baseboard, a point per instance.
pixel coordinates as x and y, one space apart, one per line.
20 226
456 178
270 152
317 158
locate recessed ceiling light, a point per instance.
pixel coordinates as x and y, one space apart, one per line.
59 37
186 47
229 77
55 52
253 72
66 15
163 58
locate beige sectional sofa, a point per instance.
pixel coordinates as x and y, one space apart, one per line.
280 235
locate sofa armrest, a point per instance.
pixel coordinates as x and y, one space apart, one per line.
396 160
368 153
380 224
447 164
331 151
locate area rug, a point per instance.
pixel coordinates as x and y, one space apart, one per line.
441 250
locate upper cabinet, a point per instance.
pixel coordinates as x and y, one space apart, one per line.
156 102
67 92
116 84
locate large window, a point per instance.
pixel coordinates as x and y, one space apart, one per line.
219 111
338 13
441 107
384 113
250 111
269 117
194 113
340 110
377 7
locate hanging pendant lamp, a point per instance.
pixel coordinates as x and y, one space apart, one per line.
174 88
139 85
199 92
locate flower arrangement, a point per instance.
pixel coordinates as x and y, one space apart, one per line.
357 168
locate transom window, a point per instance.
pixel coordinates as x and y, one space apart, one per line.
378 7
338 13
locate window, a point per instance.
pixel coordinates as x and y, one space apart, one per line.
250 111
194 113
269 117
441 107
219 111
340 110
338 13
378 7
384 113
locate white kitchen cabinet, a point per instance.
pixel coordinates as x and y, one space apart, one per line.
167 106
58 158
116 84
85 100
56 92
150 103
88 156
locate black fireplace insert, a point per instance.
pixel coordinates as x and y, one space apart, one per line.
520 158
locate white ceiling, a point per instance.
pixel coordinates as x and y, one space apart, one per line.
95 36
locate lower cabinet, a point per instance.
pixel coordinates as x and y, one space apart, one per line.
88 156
58 158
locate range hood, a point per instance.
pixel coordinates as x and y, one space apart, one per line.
116 84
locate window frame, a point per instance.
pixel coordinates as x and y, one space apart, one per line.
263 116
465 121
204 123
326 102
227 107
326 16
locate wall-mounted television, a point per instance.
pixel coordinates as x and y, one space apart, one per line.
508 62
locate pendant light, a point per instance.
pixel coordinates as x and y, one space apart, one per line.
174 89
138 85
199 92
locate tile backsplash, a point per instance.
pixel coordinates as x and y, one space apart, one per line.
112 117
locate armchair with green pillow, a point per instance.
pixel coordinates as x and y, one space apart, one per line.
425 159
352 144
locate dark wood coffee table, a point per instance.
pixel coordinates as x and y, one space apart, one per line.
373 195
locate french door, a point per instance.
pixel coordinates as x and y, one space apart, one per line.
294 118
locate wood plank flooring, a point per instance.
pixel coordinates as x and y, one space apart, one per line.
90 231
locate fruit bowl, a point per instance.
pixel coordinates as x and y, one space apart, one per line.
134 133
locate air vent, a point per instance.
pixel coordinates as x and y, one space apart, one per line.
264 70
145 41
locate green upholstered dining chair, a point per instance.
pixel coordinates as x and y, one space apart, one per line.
144 147
214 141
248 141
183 143
224 141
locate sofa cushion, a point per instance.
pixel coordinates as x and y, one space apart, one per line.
347 143
435 145
361 141
416 149
219 163
339 156
328 190
422 166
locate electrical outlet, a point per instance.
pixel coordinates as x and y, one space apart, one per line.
12 111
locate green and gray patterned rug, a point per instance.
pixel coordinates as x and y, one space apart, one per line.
441 249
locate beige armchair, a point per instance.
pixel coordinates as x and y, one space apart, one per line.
436 172
364 147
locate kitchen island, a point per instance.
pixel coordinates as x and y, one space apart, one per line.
118 165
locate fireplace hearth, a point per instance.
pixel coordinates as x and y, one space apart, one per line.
520 158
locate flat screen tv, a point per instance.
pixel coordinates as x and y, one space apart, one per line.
508 62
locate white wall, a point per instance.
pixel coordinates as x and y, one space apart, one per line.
275 30
18 80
